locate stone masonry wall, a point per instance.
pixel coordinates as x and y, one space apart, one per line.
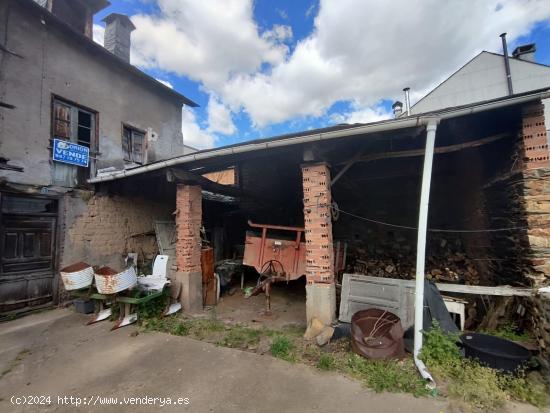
109 227
188 225
102 229
318 224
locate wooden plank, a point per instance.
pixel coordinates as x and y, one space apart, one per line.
498 290
503 290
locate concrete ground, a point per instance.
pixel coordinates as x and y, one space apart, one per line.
54 354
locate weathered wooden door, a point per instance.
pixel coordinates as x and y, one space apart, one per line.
27 252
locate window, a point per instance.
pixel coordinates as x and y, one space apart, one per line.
75 124
133 145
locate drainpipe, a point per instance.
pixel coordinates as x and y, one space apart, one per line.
507 64
421 249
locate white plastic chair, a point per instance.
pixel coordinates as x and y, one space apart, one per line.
159 278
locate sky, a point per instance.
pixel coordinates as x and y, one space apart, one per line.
259 68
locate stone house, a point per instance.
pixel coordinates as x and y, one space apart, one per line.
57 83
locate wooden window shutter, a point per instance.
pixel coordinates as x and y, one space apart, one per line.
62 120
138 146
126 144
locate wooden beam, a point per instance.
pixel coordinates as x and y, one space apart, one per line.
440 150
190 178
504 290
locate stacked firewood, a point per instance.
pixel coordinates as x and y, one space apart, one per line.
446 261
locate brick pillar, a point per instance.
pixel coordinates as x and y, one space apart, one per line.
321 294
535 141
188 245
536 207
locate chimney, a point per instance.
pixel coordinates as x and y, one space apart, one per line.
525 52
507 64
117 35
397 109
407 101
78 14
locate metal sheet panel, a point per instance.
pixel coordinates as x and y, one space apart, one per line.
361 292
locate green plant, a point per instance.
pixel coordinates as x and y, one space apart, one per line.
326 362
439 347
387 375
240 337
510 331
478 386
282 347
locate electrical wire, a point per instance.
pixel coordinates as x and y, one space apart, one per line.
463 231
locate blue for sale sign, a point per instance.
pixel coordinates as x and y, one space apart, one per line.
71 153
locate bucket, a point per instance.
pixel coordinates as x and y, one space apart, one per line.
495 352
109 281
77 276
377 334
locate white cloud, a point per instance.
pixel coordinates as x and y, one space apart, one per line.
310 9
193 134
363 115
98 33
219 117
359 50
207 41
165 82
279 33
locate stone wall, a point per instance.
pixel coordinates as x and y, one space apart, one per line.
102 229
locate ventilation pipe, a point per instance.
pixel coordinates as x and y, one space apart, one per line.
507 64
407 101
421 250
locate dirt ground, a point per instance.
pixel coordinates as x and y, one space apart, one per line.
288 307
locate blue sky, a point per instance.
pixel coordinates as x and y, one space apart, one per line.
262 68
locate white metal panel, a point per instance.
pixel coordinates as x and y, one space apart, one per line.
361 292
481 79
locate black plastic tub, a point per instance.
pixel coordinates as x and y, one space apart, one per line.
495 352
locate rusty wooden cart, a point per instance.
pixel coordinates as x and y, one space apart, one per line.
278 253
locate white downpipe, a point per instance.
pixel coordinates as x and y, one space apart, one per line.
421 248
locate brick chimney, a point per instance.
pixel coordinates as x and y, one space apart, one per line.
78 14
117 35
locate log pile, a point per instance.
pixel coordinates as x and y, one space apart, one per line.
446 261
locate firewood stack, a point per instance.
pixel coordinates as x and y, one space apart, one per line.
446 260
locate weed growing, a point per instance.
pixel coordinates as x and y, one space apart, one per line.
283 347
326 362
480 387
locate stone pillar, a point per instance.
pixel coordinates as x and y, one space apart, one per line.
320 289
188 245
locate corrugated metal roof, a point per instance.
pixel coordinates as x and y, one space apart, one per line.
333 132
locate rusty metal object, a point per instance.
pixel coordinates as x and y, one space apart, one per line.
377 334
77 276
262 249
109 281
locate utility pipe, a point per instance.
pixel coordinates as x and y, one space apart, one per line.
393 124
507 64
421 248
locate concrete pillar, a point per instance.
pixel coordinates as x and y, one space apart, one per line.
320 291
188 246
